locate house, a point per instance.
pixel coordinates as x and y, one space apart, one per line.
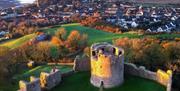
160 29
2 33
41 37
134 24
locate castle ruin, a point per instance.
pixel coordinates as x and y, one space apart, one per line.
46 81
33 85
107 69
107 65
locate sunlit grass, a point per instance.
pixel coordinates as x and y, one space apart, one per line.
18 42
37 70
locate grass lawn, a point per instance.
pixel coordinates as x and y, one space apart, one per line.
81 82
17 42
37 70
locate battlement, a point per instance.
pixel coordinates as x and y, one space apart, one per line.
105 49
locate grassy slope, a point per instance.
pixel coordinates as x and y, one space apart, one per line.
101 36
17 42
80 82
93 35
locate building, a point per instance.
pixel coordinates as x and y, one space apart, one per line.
154 1
107 65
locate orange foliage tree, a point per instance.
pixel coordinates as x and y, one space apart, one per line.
89 21
61 33
57 41
75 40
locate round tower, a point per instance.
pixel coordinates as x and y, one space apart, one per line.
107 65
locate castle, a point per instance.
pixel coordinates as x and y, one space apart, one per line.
107 65
107 69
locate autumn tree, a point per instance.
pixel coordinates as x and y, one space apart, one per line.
154 57
90 21
76 41
61 33
147 52
57 41
82 42
4 50
172 49
40 52
73 39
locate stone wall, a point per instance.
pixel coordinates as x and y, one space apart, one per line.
33 85
50 80
46 81
164 78
139 71
81 63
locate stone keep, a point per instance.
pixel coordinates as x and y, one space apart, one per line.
107 65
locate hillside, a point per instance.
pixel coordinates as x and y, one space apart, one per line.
102 36
18 42
93 35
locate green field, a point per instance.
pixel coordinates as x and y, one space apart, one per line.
102 36
93 35
81 82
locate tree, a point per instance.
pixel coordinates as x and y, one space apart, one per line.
61 33
40 52
154 57
72 40
4 72
147 52
4 50
83 41
173 50
56 41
